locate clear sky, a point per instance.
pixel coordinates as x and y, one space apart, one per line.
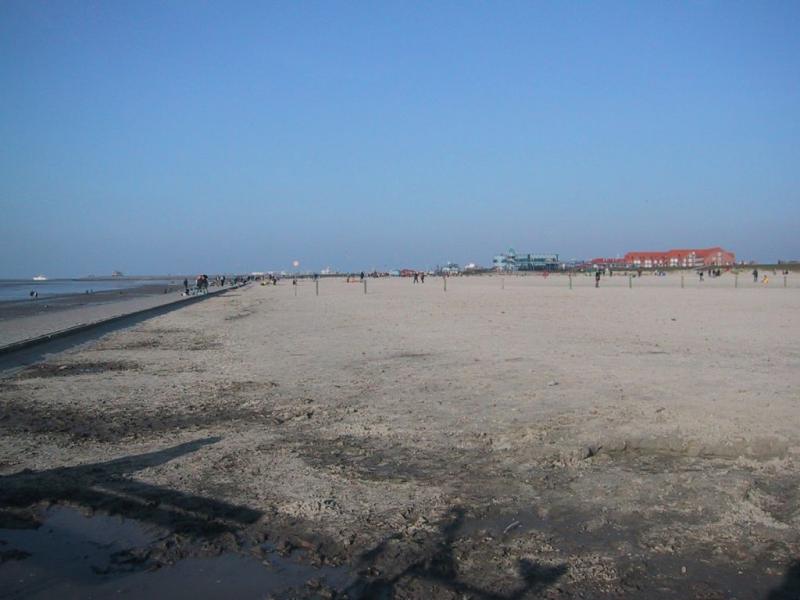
170 137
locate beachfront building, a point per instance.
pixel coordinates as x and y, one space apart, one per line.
505 261
512 261
689 258
450 268
608 263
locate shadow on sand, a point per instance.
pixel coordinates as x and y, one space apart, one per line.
438 571
108 487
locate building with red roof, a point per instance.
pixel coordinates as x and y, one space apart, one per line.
682 257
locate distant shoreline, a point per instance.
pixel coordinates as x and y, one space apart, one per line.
16 308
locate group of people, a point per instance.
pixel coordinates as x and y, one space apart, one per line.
711 273
419 277
200 286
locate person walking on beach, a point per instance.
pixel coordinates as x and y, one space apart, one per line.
597 278
422 277
416 277
185 286
755 275
362 275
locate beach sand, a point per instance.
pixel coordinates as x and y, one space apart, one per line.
511 436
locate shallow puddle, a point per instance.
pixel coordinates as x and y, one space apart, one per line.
76 556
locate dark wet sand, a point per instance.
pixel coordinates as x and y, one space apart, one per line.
25 308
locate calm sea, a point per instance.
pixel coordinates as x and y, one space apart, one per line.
16 289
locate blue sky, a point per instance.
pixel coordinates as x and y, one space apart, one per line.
169 137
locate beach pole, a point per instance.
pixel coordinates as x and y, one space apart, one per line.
630 281
444 279
681 280
365 286
317 286
570 281
784 281
736 280
295 288
503 283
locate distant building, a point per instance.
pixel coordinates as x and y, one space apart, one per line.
450 268
608 263
512 261
117 274
686 258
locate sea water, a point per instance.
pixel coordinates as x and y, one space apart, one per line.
18 289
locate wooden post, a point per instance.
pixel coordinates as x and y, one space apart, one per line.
365 286
736 280
570 281
681 280
503 283
784 281
317 286
444 278
630 281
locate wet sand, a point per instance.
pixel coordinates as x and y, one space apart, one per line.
509 438
21 320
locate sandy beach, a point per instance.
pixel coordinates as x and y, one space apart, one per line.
508 438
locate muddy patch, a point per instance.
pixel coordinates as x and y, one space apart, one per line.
242 314
382 460
46 370
409 355
159 339
113 419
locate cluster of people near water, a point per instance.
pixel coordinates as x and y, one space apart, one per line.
202 283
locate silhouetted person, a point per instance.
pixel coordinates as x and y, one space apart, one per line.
755 275
597 279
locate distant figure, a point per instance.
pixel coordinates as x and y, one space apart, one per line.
701 275
422 277
597 279
362 275
765 281
186 287
416 277
610 272
755 275
34 295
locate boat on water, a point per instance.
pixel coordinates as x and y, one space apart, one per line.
40 278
